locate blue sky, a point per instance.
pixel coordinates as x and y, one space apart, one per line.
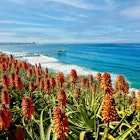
70 21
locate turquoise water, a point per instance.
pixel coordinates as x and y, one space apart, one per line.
114 58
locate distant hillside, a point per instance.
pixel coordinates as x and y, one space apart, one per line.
16 43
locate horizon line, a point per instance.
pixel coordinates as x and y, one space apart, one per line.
37 43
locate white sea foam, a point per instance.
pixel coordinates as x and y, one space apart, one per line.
40 59
54 64
7 52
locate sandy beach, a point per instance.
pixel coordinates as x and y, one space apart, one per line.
40 59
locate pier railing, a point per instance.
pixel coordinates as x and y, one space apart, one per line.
31 54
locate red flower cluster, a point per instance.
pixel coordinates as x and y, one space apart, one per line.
29 73
60 123
83 82
73 77
46 70
77 92
62 97
31 86
60 79
18 82
121 85
108 109
5 81
5 117
38 80
20 135
52 82
98 77
47 86
25 65
27 107
105 84
12 79
90 79
4 62
45 83
5 98
41 84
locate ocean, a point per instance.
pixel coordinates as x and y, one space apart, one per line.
87 59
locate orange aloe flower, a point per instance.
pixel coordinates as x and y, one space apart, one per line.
38 80
29 73
60 123
33 69
17 69
125 88
20 135
38 71
138 100
3 67
45 76
8 65
73 77
5 81
41 84
91 79
62 97
25 65
52 82
46 71
11 57
5 98
83 82
77 92
68 85
19 63
27 107
18 82
12 79
121 85
47 86
98 77
105 84
5 117
108 109
31 86
60 79
14 63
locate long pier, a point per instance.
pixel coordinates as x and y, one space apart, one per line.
31 54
